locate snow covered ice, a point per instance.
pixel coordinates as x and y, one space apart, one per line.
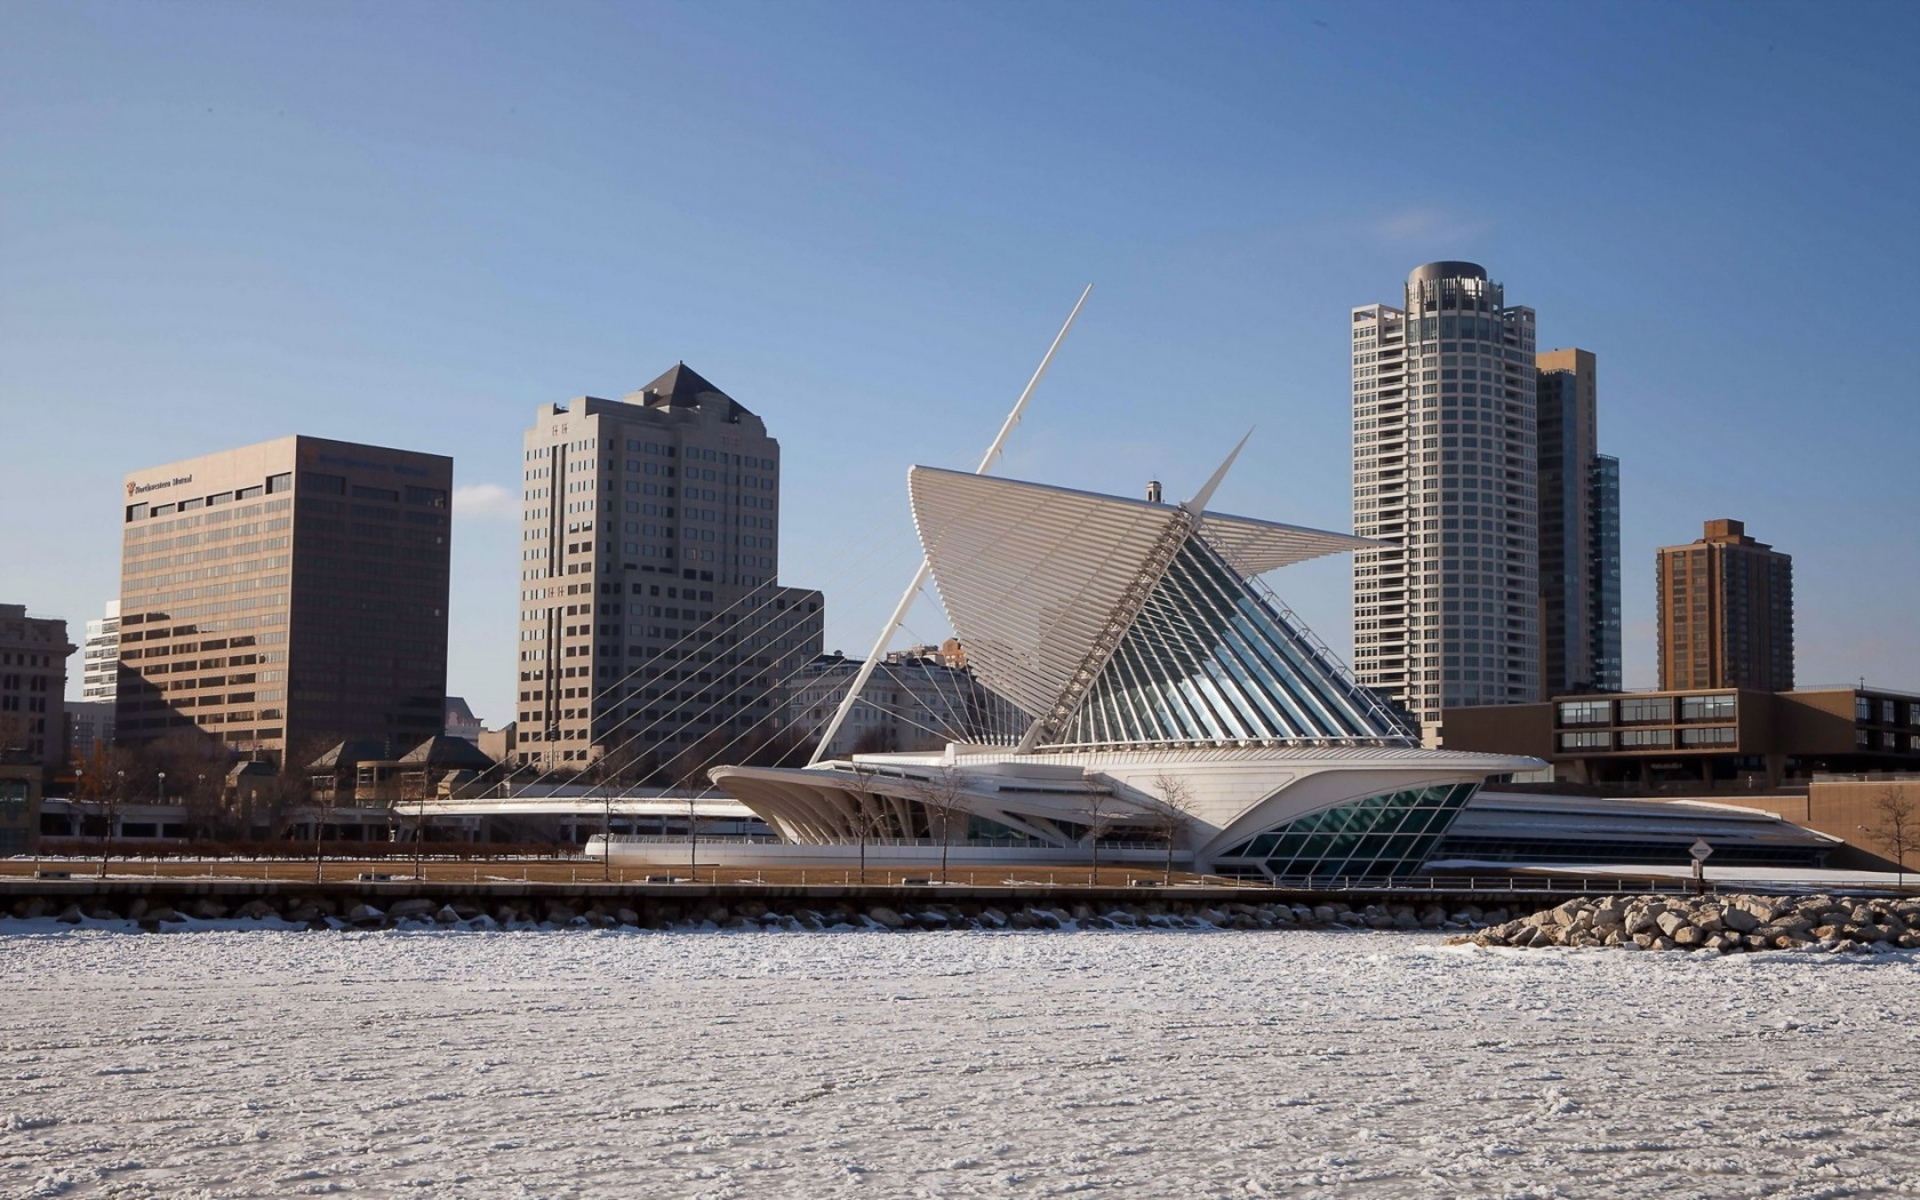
945 1064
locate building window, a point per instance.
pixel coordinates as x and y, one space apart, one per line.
1587 739
1862 709
1706 708
1646 710
1707 737
1640 739
1585 712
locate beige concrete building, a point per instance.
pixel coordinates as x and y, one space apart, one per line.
1725 612
652 623
33 686
1444 466
287 594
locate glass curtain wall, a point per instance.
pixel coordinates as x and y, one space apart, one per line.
1207 661
1381 837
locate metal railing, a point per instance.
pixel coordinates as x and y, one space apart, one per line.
655 839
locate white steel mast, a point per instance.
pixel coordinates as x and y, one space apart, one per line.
920 577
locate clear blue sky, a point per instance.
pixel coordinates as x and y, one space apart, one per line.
412 224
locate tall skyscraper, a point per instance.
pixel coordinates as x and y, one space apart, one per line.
1579 530
100 664
285 595
1444 464
1726 612
1604 574
652 626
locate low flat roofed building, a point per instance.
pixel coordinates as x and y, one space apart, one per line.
1856 809
1510 828
1707 737
287 594
20 798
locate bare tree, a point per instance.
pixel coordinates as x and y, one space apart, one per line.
416 787
690 775
1099 807
1896 825
866 817
323 803
1176 812
942 795
111 796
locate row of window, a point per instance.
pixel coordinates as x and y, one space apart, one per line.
282 482
1645 709
1646 739
662 449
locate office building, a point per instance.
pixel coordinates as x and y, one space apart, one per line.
916 699
286 595
33 687
1445 466
89 728
1726 612
1703 739
1579 530
460 721
653 628
100 661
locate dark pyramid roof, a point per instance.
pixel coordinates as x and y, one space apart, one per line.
443 751
684 386
347 754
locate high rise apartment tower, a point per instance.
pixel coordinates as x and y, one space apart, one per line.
653 631
1444 465
101 665
286 596
1726 613
1603 572
1579 531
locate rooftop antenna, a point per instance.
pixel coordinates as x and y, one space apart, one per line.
987 462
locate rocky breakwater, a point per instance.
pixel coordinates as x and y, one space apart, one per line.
1721 923
319 911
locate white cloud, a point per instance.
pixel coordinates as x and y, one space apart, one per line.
485 500
1428 226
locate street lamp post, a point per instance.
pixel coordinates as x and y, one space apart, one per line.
106 819
606 829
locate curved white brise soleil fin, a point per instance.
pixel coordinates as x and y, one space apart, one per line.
1197 506
920 576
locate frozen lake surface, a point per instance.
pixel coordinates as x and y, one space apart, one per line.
945 1064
